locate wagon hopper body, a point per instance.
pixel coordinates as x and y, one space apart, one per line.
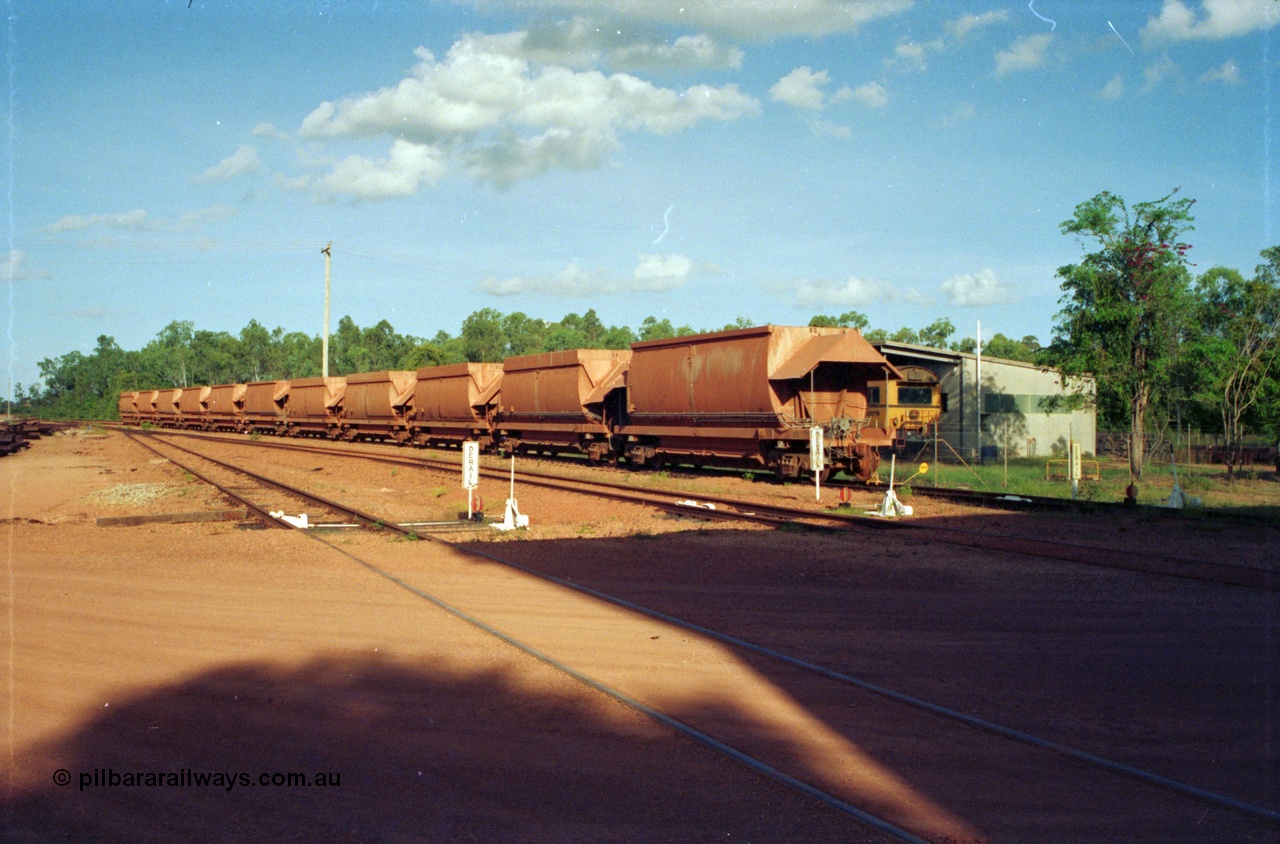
561 401
224 407
455 403
749 397
315 407
128 408
144 404
378 405
263 407
167 414
191 406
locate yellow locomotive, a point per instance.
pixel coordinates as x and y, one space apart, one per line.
911 404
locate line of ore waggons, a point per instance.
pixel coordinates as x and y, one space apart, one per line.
746 398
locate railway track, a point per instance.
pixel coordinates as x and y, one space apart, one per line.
734 509
890 821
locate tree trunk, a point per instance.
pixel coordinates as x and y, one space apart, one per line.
1137 437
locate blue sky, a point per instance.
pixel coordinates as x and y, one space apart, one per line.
688 159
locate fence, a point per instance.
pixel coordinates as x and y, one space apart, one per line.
1195 447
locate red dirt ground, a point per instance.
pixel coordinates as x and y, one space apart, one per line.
208 648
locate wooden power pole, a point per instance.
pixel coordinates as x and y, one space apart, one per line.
324 342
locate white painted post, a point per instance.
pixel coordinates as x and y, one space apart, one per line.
817 460
470 470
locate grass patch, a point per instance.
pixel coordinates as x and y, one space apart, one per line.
1254 492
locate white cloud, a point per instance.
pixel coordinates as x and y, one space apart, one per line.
1156 73
685 53
1113 90
910 53
1026 53
266 130
1221 19
513 159
653 274
826 129
750 20
853 292
961 113
197 218
243 160
506 118
14 268
581 42
976 290
963 25
656 273
801 88
871 95
1228 73
913 55
127 220
139 220
406 168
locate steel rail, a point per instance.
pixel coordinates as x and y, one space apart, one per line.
657 715
360 516
991 727
1195 792
270 520
705 739
1224 574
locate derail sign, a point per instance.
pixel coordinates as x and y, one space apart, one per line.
470 464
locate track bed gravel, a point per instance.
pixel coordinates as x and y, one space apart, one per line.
209 647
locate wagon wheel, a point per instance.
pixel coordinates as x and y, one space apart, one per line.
865 467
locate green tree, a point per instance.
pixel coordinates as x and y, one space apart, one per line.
906 335
524 335
483 339
935 334
652 329
848 319
258 355
1237 351
1125 305
168 358
1000 346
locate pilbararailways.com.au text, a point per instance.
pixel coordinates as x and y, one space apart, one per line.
187 778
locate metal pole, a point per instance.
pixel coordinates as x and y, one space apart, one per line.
978 384
324 341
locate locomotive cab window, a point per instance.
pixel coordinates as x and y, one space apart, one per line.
915 395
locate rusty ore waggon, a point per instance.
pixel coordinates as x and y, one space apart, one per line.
749 398
732 398
456 403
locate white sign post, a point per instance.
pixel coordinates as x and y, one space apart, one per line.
470 470
817 459
1075 468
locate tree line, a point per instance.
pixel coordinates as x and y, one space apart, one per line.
86 386
1165 347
